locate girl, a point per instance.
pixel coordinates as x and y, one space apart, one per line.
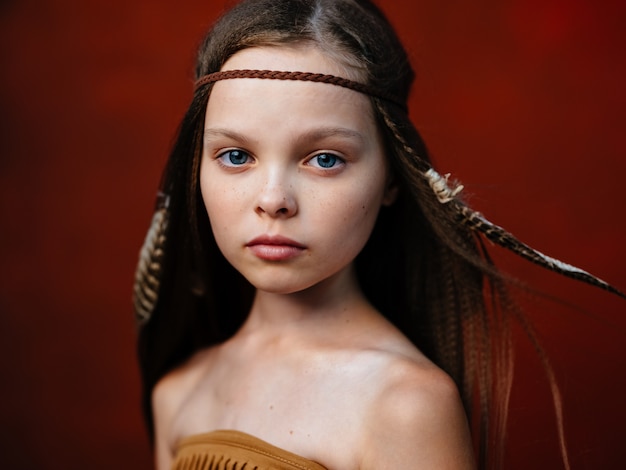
312 293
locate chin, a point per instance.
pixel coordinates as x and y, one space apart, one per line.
283 279
280 283
280 288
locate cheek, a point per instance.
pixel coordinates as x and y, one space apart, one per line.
220 203
352 211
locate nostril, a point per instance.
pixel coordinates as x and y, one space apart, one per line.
275 203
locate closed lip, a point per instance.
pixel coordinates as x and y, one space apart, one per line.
275 248
276 240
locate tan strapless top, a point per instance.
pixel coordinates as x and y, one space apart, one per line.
235 450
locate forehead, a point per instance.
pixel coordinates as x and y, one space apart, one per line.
291 57
287 103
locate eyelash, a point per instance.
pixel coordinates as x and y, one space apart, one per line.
221 158
337 161
226 159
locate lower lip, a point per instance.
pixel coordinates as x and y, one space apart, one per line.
275 252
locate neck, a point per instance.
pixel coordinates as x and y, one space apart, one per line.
337 298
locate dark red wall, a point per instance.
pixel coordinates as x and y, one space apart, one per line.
522 100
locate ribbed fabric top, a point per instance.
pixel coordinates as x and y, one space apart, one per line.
235 450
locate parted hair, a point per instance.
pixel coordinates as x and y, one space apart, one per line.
422 268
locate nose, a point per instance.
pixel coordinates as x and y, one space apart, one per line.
277 199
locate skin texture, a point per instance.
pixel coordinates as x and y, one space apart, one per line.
315 369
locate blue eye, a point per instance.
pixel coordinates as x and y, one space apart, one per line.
326 160
234 158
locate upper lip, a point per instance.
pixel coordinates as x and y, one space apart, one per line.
274 240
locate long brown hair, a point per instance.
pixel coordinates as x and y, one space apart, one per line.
422 268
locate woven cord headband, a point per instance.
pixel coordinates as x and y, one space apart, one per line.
300 76
149 270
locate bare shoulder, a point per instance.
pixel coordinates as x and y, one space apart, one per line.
172 389
168 397
417 420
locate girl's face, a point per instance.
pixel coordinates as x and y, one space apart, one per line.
293 173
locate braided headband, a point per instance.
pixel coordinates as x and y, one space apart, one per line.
300 76
149 270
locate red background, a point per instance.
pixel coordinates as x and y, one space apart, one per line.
522 100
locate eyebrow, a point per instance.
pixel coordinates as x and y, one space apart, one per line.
308 136
230 134
327 132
